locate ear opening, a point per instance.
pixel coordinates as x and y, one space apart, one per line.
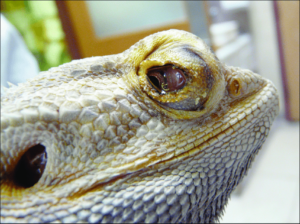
31 166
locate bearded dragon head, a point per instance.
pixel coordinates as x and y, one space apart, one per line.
162 132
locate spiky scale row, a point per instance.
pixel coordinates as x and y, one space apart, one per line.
115 155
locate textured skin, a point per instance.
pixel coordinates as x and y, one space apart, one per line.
118 153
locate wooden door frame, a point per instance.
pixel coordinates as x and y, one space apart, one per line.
288 60
82 39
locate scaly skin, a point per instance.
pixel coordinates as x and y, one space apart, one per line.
118 151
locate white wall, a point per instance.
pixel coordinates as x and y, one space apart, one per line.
116 17
262 20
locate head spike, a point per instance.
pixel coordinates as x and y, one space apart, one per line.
10 84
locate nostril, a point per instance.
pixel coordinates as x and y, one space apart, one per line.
234 87
31 166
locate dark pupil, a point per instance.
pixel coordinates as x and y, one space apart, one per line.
154 80
167 78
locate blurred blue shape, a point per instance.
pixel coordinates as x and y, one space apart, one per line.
17 62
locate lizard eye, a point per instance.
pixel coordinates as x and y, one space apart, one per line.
182 80
179 89
31 166
166 78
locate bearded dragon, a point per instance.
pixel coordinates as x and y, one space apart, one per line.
162 132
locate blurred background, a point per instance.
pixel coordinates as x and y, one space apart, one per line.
262 36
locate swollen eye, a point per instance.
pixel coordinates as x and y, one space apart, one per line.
166 78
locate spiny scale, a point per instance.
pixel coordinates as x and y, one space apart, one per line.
118 151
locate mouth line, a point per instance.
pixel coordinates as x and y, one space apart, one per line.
222 132
184 155
250 116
